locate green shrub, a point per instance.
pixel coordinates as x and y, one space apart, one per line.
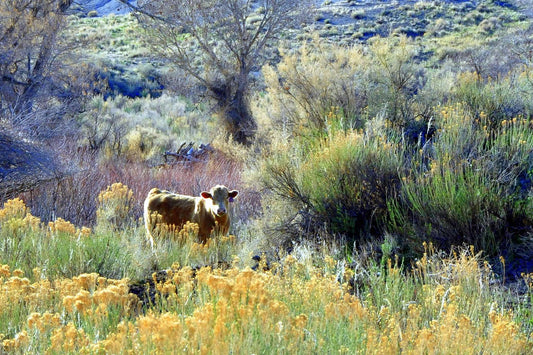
452 208
349 182
474 189
488 26
358 14
340 187
359 83
306 84
395 78
498 99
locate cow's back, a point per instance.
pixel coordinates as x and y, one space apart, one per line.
172 208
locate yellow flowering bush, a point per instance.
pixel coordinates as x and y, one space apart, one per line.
62 226
114 206
16 219
14 208
298 308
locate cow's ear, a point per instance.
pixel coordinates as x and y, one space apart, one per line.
206 195
232 195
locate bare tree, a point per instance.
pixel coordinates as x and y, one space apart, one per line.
219 43
43 80
28 36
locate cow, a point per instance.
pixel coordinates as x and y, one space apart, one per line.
209 211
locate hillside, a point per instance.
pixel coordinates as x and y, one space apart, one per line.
443 25
102 7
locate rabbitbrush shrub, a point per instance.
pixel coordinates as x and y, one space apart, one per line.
471 185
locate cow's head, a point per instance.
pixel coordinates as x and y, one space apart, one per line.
220 196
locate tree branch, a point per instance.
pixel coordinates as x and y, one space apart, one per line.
14 81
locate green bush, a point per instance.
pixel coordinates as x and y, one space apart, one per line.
360 83
308 82
451 208
499 99
473 188
349 182
395 78
340 187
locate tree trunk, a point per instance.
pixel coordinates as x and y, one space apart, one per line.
234 109
239 119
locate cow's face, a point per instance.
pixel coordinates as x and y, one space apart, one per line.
220 196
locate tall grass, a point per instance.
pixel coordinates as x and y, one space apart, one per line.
304 302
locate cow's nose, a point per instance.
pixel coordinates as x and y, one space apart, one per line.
221 211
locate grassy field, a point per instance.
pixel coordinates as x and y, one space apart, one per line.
69 290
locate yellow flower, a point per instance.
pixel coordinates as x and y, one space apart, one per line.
86 281
18 342
14 208
62 226
4 271
34 320
68 303
84 232
68 339
300 321
33 222
80 302
221 285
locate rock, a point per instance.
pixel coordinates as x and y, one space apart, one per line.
103 7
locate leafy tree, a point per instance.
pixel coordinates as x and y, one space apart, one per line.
219 43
